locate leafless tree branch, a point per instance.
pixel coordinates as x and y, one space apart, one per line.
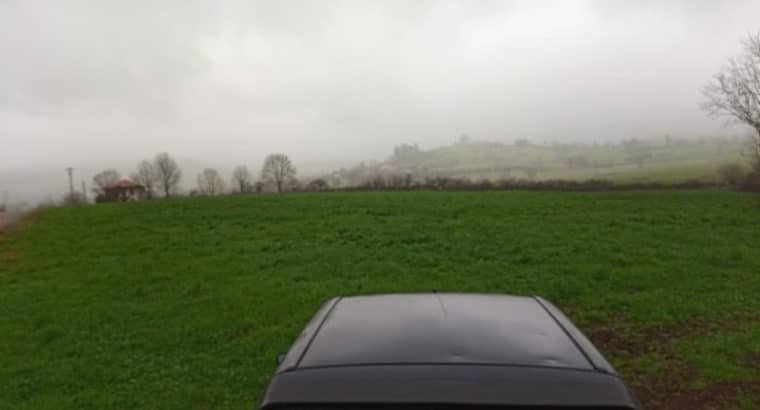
735 92
241 178
146 176
167 172
210 183
278 170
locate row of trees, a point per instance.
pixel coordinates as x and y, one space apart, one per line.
278 171
162 176
401 182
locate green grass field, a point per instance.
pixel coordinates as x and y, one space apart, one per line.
678 162
183 304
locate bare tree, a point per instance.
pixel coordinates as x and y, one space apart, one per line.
103 180
278 170
735 91
146 176
167 172
241 178
210 183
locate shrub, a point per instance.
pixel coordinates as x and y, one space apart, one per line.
732 174
318 184
591 185
751 181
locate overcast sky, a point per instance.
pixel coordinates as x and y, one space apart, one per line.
230 81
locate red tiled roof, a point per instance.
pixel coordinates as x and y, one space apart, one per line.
124 183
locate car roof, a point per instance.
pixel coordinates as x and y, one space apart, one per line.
440 328
444 349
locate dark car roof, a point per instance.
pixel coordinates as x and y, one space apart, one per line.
441 329
444 348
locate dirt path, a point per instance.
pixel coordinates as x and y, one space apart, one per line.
674 389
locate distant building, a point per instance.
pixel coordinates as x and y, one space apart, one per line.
122 191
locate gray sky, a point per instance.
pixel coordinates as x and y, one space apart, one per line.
230 81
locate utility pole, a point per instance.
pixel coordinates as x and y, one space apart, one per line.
84 192
70 171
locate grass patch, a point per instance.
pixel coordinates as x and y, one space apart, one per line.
729 357
185 303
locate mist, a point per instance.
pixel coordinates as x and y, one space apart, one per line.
337 82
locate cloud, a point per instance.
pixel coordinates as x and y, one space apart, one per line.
108 56
232 81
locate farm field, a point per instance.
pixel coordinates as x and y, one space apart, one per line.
184 304
662 162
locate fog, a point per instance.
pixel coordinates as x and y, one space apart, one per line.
337 82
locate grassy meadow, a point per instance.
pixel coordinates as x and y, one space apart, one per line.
184 304
663 161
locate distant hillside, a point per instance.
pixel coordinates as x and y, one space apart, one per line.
665 160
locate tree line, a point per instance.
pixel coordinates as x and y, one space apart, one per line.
162 176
